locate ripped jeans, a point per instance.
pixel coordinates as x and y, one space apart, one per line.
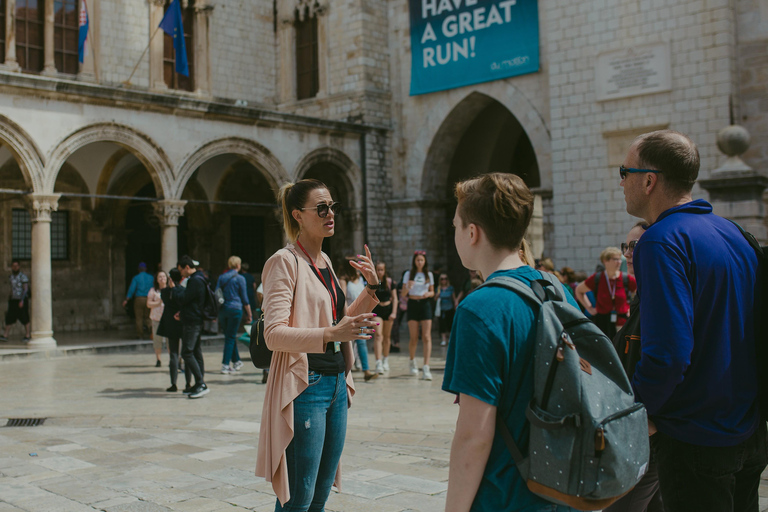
320 427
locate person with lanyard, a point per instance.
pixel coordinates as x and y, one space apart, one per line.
610 289
306 325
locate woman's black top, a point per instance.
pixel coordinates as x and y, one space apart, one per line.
169 327
329 363
384 293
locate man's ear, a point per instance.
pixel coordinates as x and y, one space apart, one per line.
651 183
474 234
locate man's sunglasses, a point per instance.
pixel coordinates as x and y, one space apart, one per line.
628 247
323 208
623 171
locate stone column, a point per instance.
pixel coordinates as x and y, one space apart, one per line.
50 65
735 189
41 309
10 36
169 211
156 12
202 67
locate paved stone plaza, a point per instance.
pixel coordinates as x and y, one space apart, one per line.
115 441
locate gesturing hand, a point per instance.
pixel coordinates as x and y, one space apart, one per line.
360 327
365 266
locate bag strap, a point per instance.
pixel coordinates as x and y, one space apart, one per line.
506 435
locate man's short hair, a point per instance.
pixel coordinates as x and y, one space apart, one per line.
674 154
233 261
500 204
186 261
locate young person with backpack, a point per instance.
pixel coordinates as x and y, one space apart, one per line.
547 417
488 365
195 306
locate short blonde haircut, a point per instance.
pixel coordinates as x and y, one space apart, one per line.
610 252
234 261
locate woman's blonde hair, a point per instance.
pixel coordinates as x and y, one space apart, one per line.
292 196
609 252
234 261
525 254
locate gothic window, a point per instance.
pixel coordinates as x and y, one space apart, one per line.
29 34
173 79
307 62
21 235
65 36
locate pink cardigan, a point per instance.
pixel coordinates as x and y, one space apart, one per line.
293 327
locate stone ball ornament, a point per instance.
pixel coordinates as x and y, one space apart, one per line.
733 140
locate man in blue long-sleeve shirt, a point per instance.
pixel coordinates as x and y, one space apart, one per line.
139 289
697 376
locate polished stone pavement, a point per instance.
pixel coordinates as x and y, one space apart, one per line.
114 440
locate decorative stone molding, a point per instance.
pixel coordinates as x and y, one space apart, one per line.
288 10
352 175
158 3
41 206
144 148
24 150
169 211
250 150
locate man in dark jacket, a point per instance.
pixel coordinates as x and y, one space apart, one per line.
191 300
697 374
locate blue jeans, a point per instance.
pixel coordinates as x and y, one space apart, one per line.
362 349
229 321
319 430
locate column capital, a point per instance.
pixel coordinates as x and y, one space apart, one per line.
41 206
169 211
156 3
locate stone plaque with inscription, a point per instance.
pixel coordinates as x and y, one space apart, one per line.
633 72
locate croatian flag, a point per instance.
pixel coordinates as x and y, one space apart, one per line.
83 35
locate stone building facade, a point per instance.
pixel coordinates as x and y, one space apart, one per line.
122 172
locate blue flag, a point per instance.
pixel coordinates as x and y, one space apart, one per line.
83 31
173 26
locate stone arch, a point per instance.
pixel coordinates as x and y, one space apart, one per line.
448 131
144 148
253 152
351 176
25 151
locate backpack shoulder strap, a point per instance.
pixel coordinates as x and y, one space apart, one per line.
515 285
625 279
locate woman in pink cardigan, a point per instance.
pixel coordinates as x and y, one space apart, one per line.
304 419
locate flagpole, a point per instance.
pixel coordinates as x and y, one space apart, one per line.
128 82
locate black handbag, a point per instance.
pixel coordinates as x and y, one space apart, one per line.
261 356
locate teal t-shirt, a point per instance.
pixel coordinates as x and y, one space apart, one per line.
490 357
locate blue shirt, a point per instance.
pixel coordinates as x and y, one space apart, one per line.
446 298
140 285
489 358
233 286
696 280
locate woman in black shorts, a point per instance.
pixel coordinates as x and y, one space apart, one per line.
420 288
387 311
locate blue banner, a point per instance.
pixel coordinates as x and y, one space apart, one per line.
463 42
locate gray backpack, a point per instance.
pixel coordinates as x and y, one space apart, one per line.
588 441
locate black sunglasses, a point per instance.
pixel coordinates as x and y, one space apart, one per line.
623 171
323 208
628 247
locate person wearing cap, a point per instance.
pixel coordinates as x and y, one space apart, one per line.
139 289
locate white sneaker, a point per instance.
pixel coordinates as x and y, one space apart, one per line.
427 373
443 343
226 369
379 367
385 364
414 368
237 366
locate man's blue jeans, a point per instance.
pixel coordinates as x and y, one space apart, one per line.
319 430
229 321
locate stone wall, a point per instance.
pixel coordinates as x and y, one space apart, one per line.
753 79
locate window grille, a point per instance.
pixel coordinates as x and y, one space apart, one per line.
21 235
60 235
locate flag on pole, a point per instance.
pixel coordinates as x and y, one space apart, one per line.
83 31
173 25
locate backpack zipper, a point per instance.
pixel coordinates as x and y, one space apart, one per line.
559 357
600 431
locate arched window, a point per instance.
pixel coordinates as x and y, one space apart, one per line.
307 61
29 34
65 35
173 79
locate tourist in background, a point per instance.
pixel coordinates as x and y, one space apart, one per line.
419 287
352 287
170 328
138 290
446 296
156 306
233 285
387 311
